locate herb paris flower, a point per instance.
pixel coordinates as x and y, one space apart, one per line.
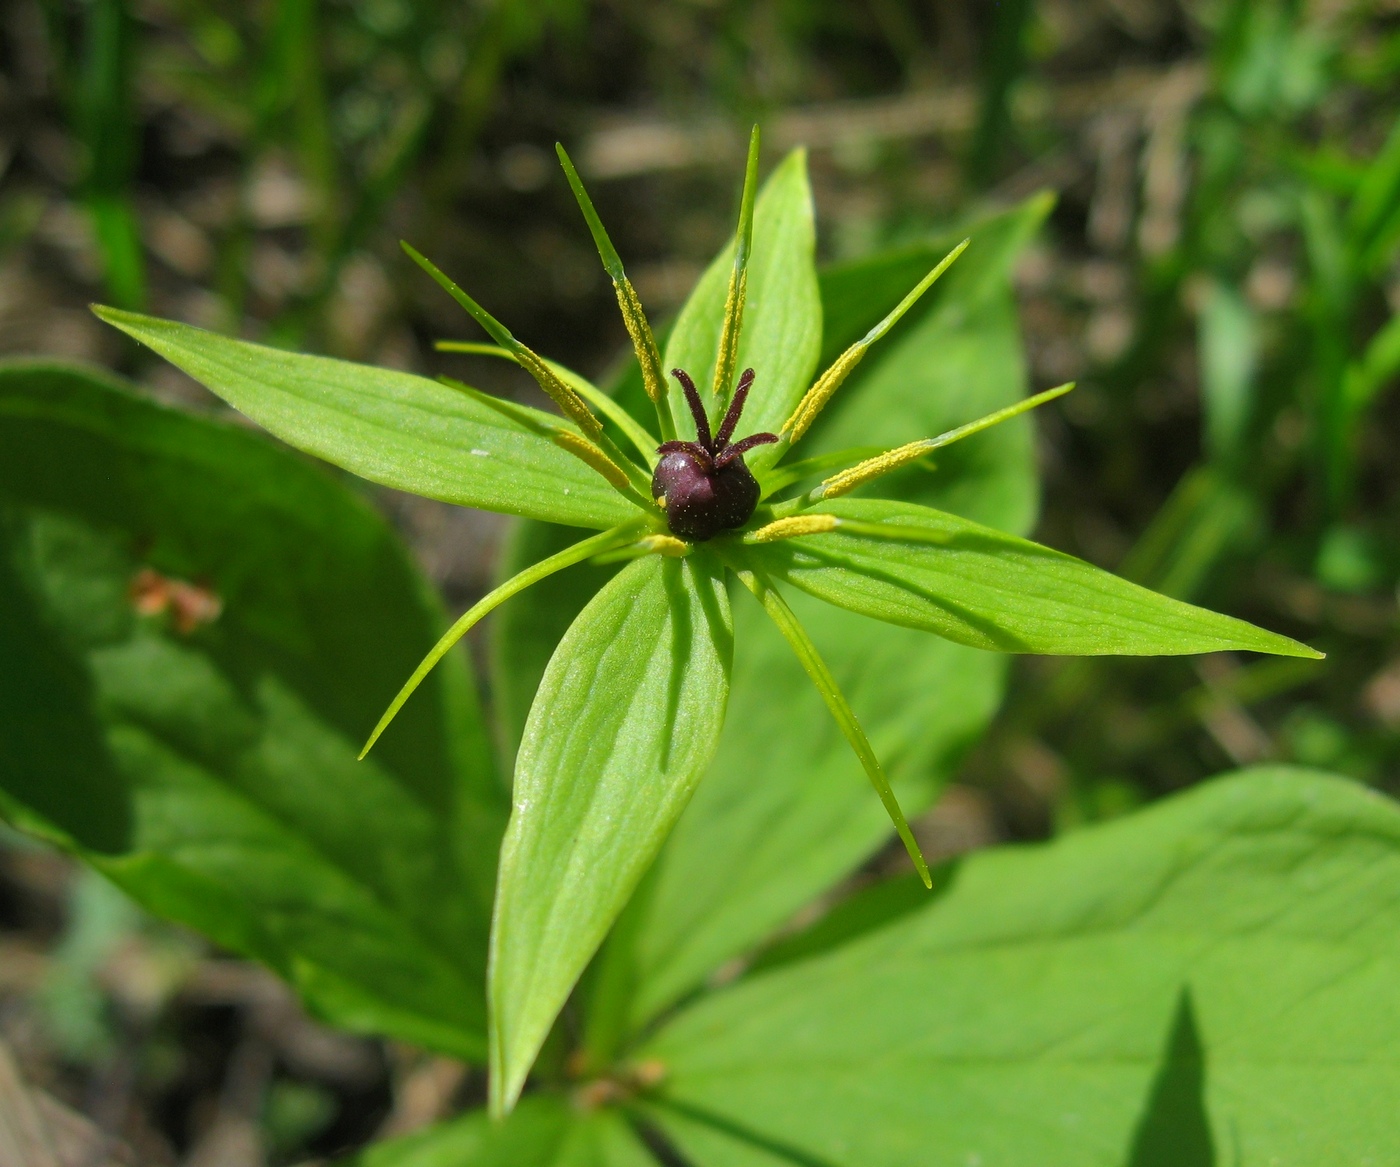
627 716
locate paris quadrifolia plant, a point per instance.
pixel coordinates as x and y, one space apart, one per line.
628 714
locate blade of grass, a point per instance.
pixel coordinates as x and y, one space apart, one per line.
106 127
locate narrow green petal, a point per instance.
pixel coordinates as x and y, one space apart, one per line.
563 395
605 541
872 468
824 389
781 477
836 702
638 328
636 432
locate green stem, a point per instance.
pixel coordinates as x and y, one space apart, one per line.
604 541
836 702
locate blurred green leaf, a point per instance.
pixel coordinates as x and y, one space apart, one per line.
785 811
1229 355
1378 366
982 587
213 623
1214 976
543 1131
391 427
623 726
109 133
1377 201
1208 516
782 321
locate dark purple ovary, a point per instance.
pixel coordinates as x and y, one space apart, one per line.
700 505
704 485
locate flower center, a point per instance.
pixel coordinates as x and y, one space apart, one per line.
704 485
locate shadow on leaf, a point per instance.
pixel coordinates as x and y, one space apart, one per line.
1174 1130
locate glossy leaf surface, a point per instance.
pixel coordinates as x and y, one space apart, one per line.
390 427
203 758
982 587
1212 980
782 325
624 724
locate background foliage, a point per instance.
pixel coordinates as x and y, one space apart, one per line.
1218 271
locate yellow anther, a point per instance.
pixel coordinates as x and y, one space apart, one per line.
642 339
587 452
819 394
863 472
564 395
791 528
665 545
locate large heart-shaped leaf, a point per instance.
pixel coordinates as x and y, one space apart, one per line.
544 1131
199 628
391 427
782 325
624 724
785 811
1215 979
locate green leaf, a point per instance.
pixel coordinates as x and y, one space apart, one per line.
390 427
624 724
785 811
782 325
1229 354
1210 980
212 762
982 587
543 1131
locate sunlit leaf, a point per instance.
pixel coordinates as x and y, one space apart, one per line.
390 427
625 721
983 587
785 812
1212 980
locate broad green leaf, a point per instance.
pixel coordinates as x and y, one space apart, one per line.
785 812
983 587
1210 980
208 767
782 326
543 1131
390 427
624 724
